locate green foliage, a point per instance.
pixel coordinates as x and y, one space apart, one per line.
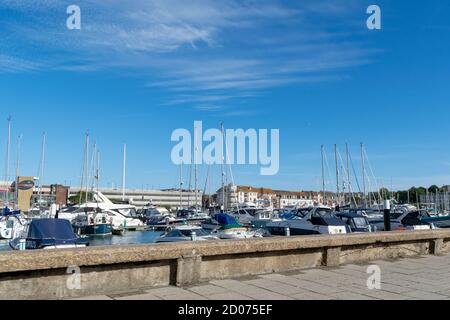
80 198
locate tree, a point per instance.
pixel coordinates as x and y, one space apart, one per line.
80 198
433 189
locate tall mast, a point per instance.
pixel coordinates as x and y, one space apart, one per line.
83 169
190 180
86 169
41 167
206 183
223 166
181 185
348 174
98 169
94 167
19 144
338 194
323 174
8 149
195 172
363 175
124 171
97 175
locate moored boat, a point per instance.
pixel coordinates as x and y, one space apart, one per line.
48 234
186 233
95 223
318 220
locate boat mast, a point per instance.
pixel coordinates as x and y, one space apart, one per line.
8 149
323 175
195 172
223 167
19 144
190 182
41 167
363 175
97 176
181 185
94 167
86 168
124 171
348 174
206 184
338 194
83 168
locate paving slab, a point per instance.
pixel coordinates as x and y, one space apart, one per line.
139 297
94 298
425 278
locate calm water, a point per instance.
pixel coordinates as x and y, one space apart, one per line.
136 237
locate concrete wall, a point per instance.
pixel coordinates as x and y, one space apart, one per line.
105 270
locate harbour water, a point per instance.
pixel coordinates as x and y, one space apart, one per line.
135 237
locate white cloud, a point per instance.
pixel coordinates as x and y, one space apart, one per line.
223 49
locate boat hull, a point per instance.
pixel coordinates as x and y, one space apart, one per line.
102 229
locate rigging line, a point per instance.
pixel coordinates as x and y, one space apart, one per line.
347 174
93 163
354 173
206 180
231 171
327 169
373 175
82 168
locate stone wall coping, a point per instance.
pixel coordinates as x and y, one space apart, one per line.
16 261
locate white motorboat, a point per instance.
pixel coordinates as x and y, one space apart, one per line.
186 233
121 215
225 226
48 234
11 224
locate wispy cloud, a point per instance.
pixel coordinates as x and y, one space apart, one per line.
11 64
205 53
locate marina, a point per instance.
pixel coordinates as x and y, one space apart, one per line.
224 150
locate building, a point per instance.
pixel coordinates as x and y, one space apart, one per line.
265 197
230 195
170 198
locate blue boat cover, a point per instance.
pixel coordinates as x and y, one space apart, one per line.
225 219
57 229
8 212
288 216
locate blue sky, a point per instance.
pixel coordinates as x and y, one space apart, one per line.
137 70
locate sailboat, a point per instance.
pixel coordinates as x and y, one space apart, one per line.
11 220
92 220
40 208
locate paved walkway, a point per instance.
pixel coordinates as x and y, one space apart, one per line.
427 277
